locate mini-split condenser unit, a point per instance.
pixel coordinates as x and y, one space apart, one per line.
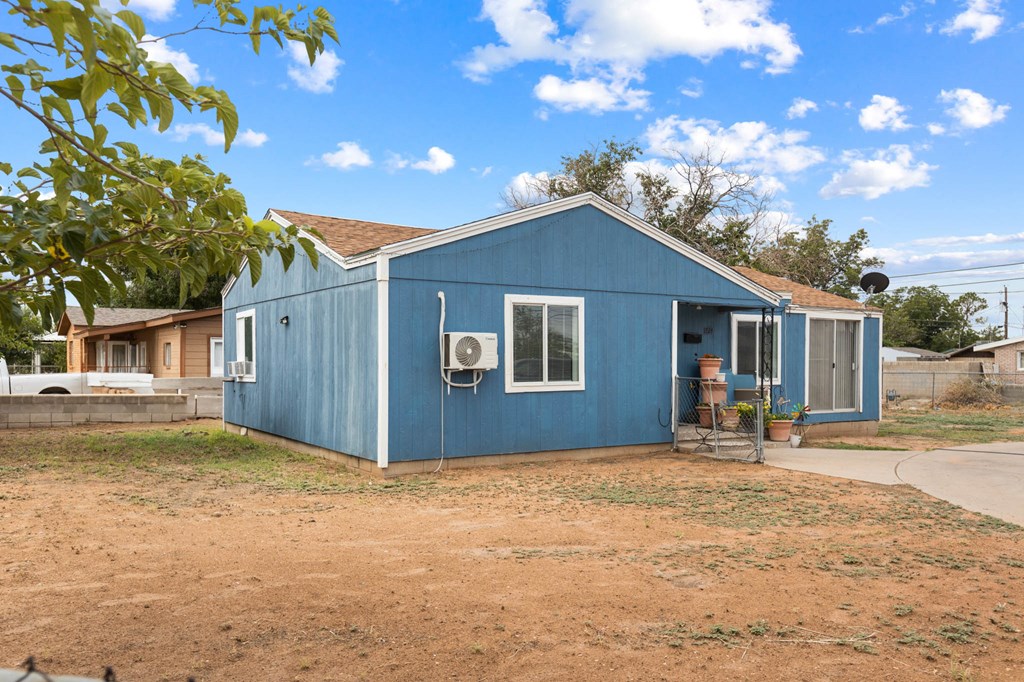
470 350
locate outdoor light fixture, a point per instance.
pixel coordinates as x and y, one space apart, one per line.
284 320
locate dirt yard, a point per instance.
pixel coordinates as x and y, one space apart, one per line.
177 551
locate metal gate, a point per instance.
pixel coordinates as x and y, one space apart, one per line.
704 423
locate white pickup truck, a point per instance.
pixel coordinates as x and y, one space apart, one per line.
71 384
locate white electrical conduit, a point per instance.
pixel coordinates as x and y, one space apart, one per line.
446 375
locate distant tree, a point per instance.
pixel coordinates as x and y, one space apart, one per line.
927 317
711 205
90 208
816 259
601 170
162 289
19 342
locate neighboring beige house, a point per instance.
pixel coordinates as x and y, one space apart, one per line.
1008 355
162 342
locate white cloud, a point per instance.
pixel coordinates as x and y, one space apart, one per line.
884 113
970 239
936 129
318 78
437 161
158 10
348 156
888 18
181 132
160 51
524 187
889 170
753 146
972 109
591 94
694 88
982 17
486 171
614 41
800 107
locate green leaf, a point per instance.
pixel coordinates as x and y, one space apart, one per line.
228 116
68 88
255 267
7 40
6 168
310 248
16 86
287 255
133 22
95 84
54 20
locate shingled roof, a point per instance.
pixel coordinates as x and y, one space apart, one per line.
803 295
350 237
113 317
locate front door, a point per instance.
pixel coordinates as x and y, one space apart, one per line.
216 357
119 356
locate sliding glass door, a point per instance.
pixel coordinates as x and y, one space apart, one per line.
833 357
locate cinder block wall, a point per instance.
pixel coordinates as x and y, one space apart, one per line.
23 411
917 379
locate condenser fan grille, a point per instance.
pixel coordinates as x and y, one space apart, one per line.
468 351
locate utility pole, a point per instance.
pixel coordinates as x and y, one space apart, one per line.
1006 313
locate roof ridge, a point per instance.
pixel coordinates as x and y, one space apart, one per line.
355 220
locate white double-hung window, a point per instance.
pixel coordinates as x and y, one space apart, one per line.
245 343
746 346
543 343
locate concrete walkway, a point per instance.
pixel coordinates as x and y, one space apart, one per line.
983 478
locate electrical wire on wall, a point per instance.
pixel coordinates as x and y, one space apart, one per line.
446 379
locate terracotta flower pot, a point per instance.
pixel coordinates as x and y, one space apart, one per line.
779 430
713 392
704 416
730 417
709 367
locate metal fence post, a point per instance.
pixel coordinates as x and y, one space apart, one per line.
933 390
759 432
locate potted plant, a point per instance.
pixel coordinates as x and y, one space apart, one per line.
729 416
779 426
798 412
709 365
704 415
745 415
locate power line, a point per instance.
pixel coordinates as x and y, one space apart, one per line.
943 272
984 281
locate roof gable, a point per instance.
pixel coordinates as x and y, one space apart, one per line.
354 243
104 318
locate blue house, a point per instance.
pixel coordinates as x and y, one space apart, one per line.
585 312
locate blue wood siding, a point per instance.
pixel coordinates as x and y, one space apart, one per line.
628 282
316 377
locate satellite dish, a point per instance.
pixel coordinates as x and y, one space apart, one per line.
874 283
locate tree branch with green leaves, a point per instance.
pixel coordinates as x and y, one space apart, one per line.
90 215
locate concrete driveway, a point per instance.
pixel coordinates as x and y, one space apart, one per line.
983 478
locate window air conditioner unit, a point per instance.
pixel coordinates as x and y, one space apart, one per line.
240 368
470 350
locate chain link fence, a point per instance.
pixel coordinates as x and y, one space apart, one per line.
931 383
705 423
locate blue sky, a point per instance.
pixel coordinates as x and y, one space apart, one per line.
900 117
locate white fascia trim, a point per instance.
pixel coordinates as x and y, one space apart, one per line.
510 385
998 344
835 313
453 234
383 366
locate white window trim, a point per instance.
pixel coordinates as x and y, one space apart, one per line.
542 387
239 346
748 317
851 317
1020 358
